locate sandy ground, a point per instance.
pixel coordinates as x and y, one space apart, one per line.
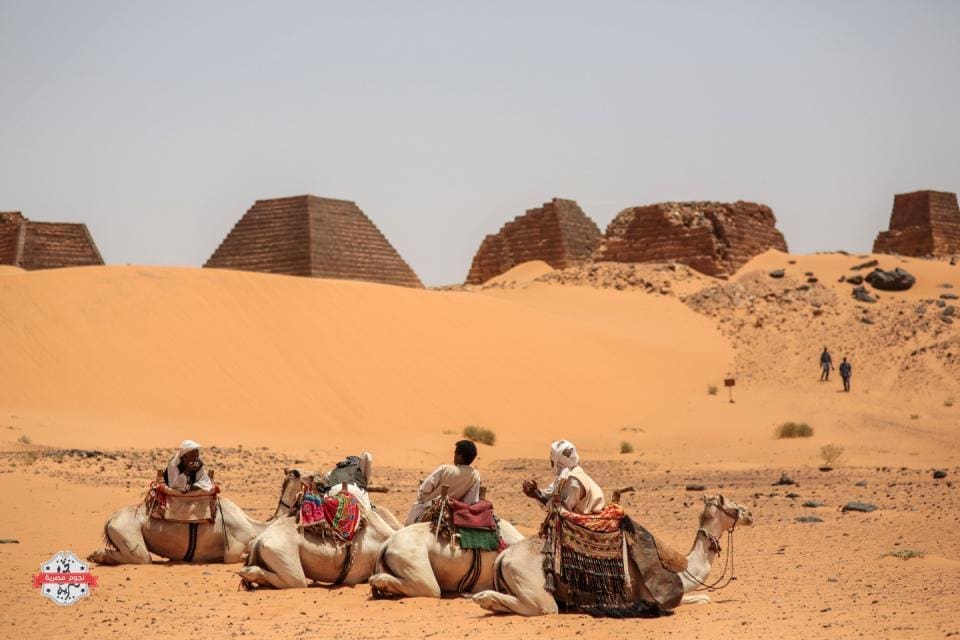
276 372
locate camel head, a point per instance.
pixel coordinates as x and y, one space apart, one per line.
292 481
726 512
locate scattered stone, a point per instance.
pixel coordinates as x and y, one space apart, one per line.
809 519
950 310
862 483
866 320
862 507
857 279
777 273
939 474
860 294
817 312
865 265
945 285
9 541
832 579
696 487
784 480
941 303
896 280
812 504
921 309
812 280
793 495
949 296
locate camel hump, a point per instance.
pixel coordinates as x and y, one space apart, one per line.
670 558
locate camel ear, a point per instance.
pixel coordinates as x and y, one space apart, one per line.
286 471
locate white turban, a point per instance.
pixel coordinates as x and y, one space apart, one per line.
179 480
564 456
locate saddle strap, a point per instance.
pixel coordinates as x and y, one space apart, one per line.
470 578
191 542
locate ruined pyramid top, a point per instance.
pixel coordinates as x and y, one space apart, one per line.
922 223
45 245
314 237
559 233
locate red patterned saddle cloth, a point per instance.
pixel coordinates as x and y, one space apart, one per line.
473 516
341 514
607 521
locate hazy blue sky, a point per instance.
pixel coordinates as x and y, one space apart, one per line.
158 124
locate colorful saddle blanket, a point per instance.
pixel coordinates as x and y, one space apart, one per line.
340 514
471 526
164 503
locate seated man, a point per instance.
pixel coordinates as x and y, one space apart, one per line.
355 471
578 492
462 479
186 471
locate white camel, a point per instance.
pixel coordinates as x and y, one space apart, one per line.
284 557
522 585
414 562
131 536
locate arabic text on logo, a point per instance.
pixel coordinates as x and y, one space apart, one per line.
64 579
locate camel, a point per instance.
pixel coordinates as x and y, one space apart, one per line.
293 480
520 575
414 563
131 535
283 557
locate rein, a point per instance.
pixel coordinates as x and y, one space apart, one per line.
728 562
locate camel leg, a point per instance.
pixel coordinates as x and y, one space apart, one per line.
126 544
520 571
274 560
389 517
405 572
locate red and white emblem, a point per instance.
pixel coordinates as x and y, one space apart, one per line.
64 578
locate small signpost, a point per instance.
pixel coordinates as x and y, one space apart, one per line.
730 383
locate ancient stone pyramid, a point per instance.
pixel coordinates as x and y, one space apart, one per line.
45 245
559 233
715 238
923 223
314 237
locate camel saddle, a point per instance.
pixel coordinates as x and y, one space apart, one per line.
469 526
168 504
658 564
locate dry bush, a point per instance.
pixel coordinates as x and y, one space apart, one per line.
25 439
831 454
479 434
948 402
626 447
794 430
906 554
713 389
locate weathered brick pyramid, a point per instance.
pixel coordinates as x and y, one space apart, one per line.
559 233
715 238
45 245
923 223
315 237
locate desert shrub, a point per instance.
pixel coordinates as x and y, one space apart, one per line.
25 439
626 447
914 416
830 453
948 402
906 554
794 430
713 389
479 434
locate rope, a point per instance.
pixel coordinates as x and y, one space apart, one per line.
728 562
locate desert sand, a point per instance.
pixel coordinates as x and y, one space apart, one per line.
275 371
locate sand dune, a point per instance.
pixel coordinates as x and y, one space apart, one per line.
136 356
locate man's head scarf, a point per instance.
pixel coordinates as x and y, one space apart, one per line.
180 480
564 457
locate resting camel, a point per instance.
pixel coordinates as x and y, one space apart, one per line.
415 563
131 535
293 480
522 585
283 557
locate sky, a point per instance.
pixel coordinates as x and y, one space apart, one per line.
158 124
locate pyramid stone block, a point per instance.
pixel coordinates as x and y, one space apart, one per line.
45 245
714 238
312 237
923 223
559 233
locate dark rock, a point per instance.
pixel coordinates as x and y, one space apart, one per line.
921 309
842 279
945 285
696 487
862 483
777 273
860 293
941 303
949 296
784 480
813 280
946 319
858 279
808 519
950 310
9 541
896 280
862 507
939 474
865 265
793 495
866 320
812 504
